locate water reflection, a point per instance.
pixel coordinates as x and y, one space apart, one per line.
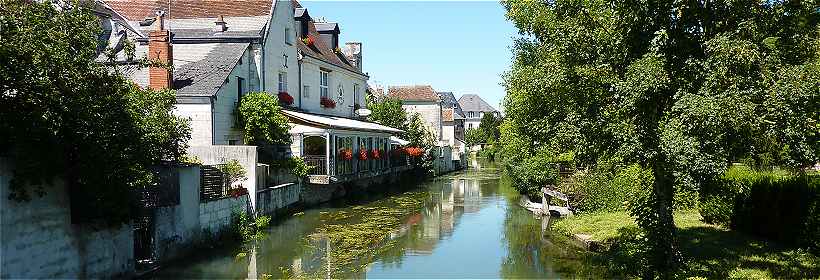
469 226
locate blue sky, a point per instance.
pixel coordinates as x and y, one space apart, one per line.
454 46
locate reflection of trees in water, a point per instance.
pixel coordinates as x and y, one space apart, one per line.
534 253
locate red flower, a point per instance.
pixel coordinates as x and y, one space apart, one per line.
308 40
285 98
346 154
376 153
415 151
327 102
362 154
237 192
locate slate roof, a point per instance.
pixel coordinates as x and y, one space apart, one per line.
474 103
448 100
137 10
201 69
322 50
414 93
326 26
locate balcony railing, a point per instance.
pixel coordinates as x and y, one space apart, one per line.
319 164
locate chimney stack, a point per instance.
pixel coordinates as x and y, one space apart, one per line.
221 25
354 53
160 50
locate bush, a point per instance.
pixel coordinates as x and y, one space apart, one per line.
605 188
783 209
772 204
718 195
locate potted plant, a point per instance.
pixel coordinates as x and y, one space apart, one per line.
362 154
308 40
327 102
285 98
376 153
346 154
415 151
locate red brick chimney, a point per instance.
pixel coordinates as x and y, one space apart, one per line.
160 50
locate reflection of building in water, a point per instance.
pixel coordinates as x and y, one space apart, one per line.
445 207
467 194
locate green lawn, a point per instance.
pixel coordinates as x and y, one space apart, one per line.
708 251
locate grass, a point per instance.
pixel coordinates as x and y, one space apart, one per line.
708 251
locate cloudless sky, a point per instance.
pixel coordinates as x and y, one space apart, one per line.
458 46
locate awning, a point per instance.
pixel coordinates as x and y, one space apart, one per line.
334 122
399 141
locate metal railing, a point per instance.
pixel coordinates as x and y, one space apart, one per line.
319 164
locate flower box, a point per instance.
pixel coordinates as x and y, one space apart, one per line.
362 154
237 192
285 98
327 102
415 151
376 154
308 40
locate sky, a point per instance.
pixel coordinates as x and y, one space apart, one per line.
458 46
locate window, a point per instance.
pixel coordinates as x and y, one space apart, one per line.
285 60
323 84
283 81
233 142
240 88
288 37
306 91
471 116
356 94
470 125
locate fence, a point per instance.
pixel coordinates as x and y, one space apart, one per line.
213 183
319 164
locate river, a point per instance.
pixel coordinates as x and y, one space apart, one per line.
462 225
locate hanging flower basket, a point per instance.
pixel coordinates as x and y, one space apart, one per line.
346 154
376 154
285 98
327 102
362 154
415 151
308 40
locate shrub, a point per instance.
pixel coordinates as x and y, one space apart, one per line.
607 189
718 195
772 204
783 209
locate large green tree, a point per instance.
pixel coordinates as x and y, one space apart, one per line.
387 111
64 116
680 87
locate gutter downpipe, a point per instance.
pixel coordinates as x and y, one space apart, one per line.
299 78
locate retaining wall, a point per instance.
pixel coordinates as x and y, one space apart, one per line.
177 228
38 240
215 216
277 197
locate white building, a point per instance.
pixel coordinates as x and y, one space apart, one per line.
474 108
221 52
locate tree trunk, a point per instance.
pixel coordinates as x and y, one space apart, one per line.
661 233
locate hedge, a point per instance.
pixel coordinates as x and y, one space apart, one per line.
772 204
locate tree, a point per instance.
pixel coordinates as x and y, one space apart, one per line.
474 136
420 136
489 127
681 88
262 120
387 111
66 117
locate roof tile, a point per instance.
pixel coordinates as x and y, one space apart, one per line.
414 93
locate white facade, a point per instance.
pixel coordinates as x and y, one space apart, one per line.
430 113
351 85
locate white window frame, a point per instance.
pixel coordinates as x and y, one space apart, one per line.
356 94
283 81
306 91
324 78
288 37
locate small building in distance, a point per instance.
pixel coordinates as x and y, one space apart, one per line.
474 108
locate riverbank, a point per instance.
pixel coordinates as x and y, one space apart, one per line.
708 251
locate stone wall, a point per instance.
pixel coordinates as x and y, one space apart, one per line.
277 197
215 216
177 228
38 240
246 155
